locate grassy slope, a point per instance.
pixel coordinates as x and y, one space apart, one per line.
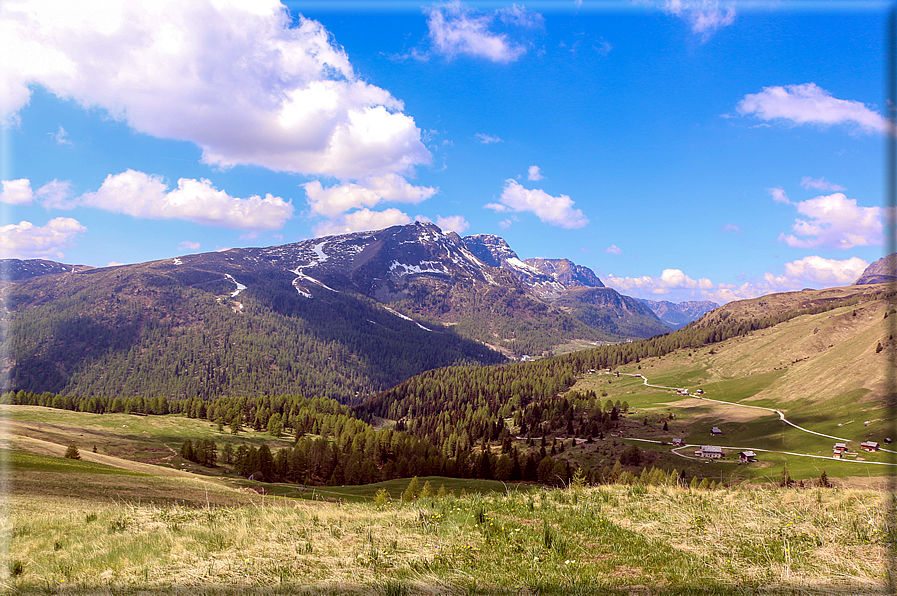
608 540
106 525
820 370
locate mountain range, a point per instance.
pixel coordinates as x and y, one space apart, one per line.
342 316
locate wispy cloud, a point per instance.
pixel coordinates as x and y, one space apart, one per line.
705 17
61 137
614 249
456 29
488 139
810 104
188 245
819 184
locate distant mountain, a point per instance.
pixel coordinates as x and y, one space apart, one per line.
495 252
678 315
18 270
608 309
574 288
883 270
340 316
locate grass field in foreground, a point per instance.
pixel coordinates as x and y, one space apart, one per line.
606 540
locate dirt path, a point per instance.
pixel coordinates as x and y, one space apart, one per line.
47 448
781 417
729 403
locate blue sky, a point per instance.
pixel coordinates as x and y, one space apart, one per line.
682 149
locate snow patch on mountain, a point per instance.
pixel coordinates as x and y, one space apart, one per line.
424 267
518 264
318 250
240 287
302 277
401 316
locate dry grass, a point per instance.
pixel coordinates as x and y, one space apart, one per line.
601 540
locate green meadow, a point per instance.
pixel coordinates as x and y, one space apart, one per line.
822 371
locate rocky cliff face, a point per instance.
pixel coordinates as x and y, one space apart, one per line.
881 271
547 278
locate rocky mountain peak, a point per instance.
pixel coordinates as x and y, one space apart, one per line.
491 250
566 272
883 270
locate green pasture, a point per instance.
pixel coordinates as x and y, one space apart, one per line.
130 436
394 488
22 460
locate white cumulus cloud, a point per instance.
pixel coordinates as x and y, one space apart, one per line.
823 271
142 195
456 29
810 104
361 221
56 194
452 223
28 241
614 249
367 192
242 80
674 285
52 195
534 173
834 221
17 192
556 211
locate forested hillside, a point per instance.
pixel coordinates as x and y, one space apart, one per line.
462 421
459 407
144 331
329 316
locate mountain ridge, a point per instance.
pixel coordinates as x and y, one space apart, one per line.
341 315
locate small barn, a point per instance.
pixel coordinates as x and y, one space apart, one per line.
710 452
715 432
869 446
839 449
746 457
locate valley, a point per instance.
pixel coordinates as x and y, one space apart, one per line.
367 468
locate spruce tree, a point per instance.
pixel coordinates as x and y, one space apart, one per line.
411 491
72 452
